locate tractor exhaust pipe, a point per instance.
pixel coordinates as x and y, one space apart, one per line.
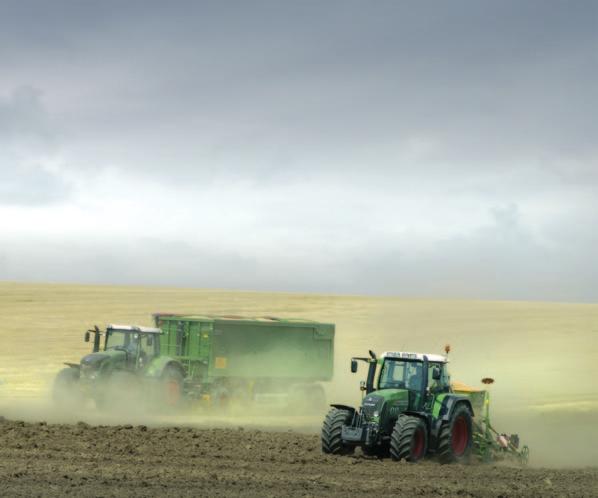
372 363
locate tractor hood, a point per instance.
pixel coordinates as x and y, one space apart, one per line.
373 404
94 360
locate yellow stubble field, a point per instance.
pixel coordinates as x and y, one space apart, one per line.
544 356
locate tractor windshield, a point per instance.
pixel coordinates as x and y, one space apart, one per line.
401 374
118 339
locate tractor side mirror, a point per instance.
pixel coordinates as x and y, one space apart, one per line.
353 365
150 341
87 336
436 373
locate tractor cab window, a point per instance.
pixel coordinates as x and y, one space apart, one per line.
149 344
400 374
122 339
115 338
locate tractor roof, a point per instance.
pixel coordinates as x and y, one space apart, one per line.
437 358
225 318
135 328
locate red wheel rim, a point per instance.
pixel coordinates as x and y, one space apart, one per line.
418 444
173 392
460 436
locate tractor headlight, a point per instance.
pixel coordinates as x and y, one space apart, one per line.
376 413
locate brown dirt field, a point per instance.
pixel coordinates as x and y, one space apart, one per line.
39 459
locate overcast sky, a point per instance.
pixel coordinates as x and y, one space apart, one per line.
445 149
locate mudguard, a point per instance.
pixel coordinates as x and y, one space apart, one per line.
445 404
344 407
442 411
424 416
157 366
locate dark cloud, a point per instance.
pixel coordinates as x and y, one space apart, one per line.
385 147
269 86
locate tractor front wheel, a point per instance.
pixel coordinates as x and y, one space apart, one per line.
332 439
455 440
409 439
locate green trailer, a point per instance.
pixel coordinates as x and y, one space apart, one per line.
253 359
213 360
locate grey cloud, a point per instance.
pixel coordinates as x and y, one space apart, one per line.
23 118
333 112
27 141
211 88
31 186
501 260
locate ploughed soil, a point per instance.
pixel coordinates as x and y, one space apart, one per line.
37 459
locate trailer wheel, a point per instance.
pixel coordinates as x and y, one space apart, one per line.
455 440
409 439
332 441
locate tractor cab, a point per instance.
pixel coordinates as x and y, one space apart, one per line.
412 378
126 347
406 371
140 343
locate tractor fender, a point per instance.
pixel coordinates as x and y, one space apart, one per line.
424 416
443 411
445 404
345 407
452 401
157 367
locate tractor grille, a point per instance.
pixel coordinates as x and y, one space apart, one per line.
358 420
371 404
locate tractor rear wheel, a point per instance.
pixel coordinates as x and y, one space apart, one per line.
455 439
172 385
332 440
409 439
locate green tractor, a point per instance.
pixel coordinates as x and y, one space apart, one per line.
410 410
124 368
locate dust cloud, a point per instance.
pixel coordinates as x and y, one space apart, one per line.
540 354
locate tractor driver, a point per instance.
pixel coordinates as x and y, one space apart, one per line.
133 343
415 378
132 347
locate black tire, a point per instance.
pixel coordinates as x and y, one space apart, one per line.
409 439
332 441
65 391
456 437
